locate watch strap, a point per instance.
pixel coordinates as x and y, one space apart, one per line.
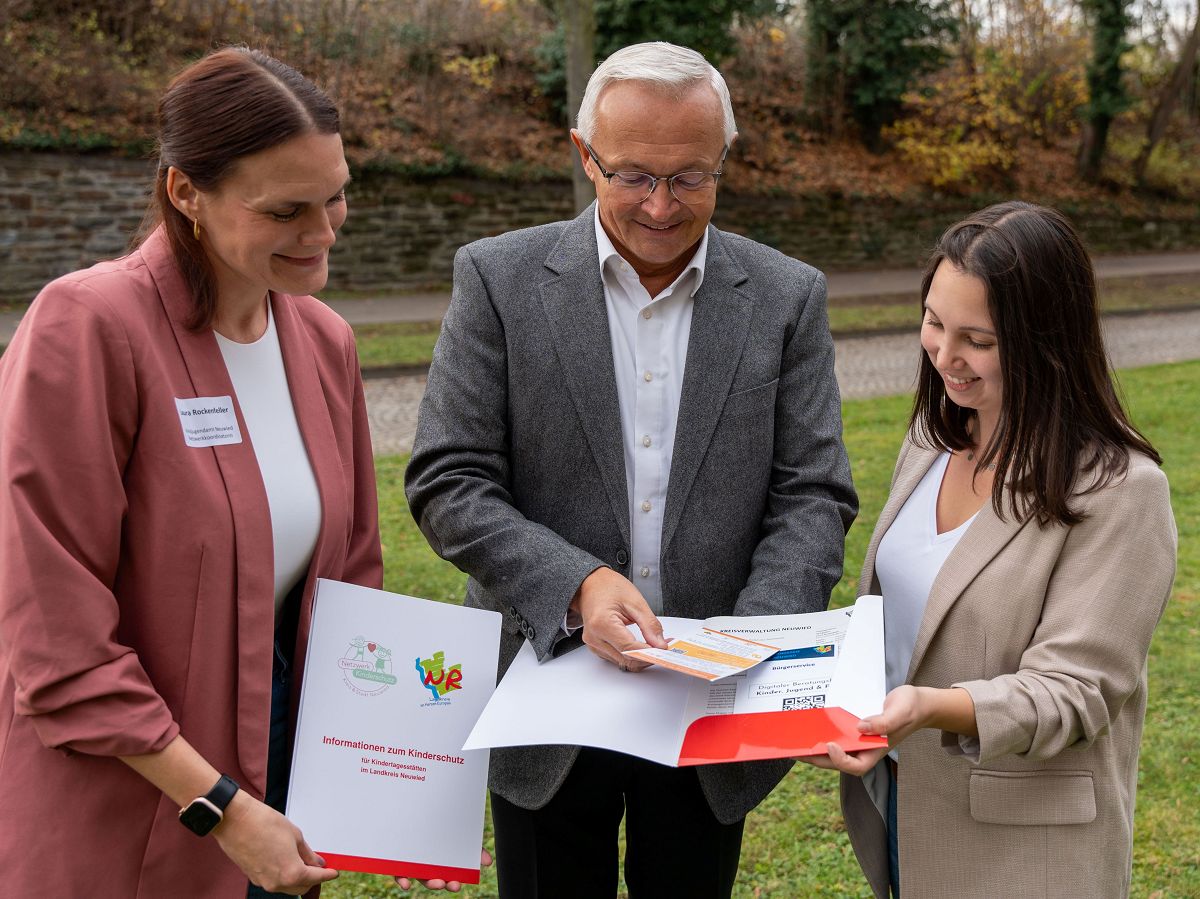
222 792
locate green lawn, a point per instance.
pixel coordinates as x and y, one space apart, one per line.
399 343
795 846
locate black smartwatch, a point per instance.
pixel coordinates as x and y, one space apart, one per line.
205 812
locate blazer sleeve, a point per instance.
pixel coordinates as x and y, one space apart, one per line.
69 419
458 480
811 501
1088 653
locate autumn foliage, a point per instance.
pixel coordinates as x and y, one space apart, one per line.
436 87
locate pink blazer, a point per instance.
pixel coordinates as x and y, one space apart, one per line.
136 582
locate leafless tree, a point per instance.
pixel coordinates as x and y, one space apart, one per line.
1183 74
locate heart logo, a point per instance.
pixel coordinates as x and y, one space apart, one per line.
371 646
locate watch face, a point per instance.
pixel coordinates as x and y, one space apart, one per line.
199 817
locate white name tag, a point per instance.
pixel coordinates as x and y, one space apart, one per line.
208 421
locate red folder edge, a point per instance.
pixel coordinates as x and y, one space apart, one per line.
415 870
772 735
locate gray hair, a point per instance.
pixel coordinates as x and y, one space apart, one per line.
667 66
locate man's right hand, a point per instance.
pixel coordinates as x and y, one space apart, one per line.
607 603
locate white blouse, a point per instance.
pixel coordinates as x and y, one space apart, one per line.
909 557
260 383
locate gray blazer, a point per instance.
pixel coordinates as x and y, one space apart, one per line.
518 476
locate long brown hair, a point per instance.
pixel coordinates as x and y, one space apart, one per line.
1062 428
232 103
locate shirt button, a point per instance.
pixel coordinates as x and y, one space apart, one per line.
645 505
647 376
646 440
645 571
647 313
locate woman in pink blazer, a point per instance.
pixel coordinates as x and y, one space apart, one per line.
1024 556
183 451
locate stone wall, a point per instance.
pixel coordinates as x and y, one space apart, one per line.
59 213
403 234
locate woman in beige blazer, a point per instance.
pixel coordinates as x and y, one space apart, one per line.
1025 555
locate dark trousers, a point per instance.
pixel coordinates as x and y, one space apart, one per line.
279 751
893 829
675 847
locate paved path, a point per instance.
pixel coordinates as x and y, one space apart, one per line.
891 281
424 307
866 367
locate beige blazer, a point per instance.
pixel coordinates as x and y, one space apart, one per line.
1048 629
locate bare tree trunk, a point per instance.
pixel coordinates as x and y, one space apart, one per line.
1184 72
579 24
220 10
1109 21
966 46
824 79
1092 144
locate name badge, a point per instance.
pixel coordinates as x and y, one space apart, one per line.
208 421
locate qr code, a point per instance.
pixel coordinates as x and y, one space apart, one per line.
804 702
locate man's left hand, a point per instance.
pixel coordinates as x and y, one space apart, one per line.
452 886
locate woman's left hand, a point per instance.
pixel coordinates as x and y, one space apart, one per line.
901 715
905 709
453 886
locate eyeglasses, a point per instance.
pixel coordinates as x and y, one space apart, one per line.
636 187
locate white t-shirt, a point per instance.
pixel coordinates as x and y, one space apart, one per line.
909 558
260 383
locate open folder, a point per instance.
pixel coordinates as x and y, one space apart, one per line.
828 674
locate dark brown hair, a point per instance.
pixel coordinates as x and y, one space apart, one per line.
1062 428
232 103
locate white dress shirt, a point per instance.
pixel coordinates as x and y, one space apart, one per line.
649 346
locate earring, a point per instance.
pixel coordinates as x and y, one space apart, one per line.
196 229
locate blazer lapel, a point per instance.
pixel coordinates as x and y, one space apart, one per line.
721 316
239 470
316 430
573 297
312 416
914 461
982 542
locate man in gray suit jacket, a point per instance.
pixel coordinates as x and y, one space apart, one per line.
632 414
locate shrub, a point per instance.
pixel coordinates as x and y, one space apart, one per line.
961 131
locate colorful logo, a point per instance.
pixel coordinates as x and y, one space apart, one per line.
367 667
436 677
